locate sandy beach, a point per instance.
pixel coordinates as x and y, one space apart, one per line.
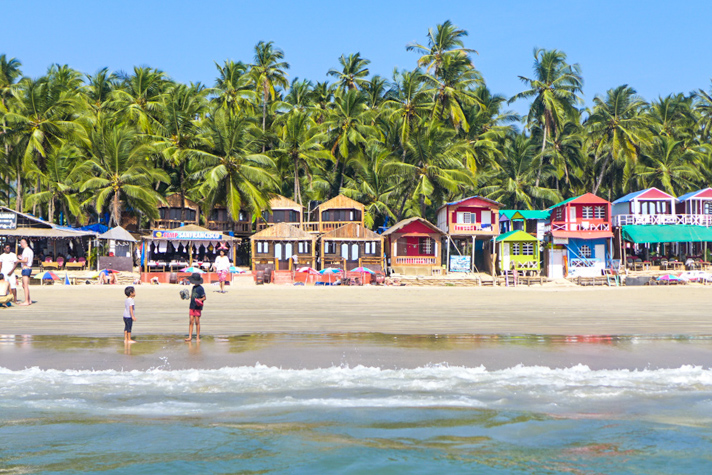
97 311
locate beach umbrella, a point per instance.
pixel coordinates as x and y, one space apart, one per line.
330 271
308 270
668 277
363 270
47 275
235 270
66 278
193 270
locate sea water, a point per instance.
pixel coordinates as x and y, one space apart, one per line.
354 418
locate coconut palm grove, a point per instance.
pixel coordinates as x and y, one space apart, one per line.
76 147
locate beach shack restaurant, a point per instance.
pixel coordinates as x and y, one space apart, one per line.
165 253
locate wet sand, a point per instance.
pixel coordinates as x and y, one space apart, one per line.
97 311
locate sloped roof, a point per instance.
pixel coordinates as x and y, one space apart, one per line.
352 231
706 193
173 201
526 213
41 228
283 231
341 201
406 222
586 198
516 236
281 202
487 200
118 234
647 194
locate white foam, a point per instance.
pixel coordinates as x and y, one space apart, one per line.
246 388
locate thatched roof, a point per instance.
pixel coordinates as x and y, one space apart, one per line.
34 227
341 201
282 231
352 232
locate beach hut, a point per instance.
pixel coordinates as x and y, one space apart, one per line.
334 213
519 251
120 252
470 225
533 221
219 220
649 206
283 210
695 208
350 246
413 247
579 237
175 213
52 244
273 248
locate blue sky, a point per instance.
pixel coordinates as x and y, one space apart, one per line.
657 47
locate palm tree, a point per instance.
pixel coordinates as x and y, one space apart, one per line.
59 184
669 165
139 96
9 75
300 146
554 88
513 184
408 102
234 87
619 128
446 39
99 89
300 94
268 74
118 172
232 171
353 71
372 185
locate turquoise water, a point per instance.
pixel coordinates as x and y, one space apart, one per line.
354 418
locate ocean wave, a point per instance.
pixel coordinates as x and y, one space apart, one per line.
260 387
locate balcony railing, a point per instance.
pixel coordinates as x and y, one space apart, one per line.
416 261
580 226
170 223
470 228
658 219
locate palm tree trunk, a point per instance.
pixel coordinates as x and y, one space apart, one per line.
297 188
18 189
182 195
543 147
599 181
50 214
265 93
116 211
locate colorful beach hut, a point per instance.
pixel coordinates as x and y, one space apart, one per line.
334 213
532 221
518 250
413 247
350 246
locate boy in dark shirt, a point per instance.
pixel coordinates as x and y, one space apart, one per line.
197 300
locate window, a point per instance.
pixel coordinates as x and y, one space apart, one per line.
707 207
329 247
354 252
559 213
370 248
599 212
304 247
528 249
345 251
262 247
587 212
515 248
585 251
425 246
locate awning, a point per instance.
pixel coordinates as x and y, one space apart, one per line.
642 234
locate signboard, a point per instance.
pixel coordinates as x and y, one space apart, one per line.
8 220
561 240
177 235
460 264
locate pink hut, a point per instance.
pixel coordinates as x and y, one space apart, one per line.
413 247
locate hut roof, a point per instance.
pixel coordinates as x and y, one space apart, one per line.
173 201
352 232
32 226
516 236
282 231
474 199
281 202
402 224
699 194
341 201
117 234
646 194
525 214
586 198
190 228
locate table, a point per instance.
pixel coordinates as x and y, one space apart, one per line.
675 265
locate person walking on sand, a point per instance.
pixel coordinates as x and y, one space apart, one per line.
197 300
129 313
8 264
26 261
222 267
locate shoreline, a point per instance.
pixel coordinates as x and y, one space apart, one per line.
97 311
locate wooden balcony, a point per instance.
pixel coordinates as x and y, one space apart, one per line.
580 226
170 223
415 261
659 219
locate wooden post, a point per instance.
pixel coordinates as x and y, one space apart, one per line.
88 255
234 253
145 256
190 253
447 264
252 255
472 262
313 252
323 256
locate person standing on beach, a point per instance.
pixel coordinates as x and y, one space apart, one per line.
197 300
26 261
8 263
129 313
222 267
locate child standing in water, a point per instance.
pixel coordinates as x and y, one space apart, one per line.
129 313
197 300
